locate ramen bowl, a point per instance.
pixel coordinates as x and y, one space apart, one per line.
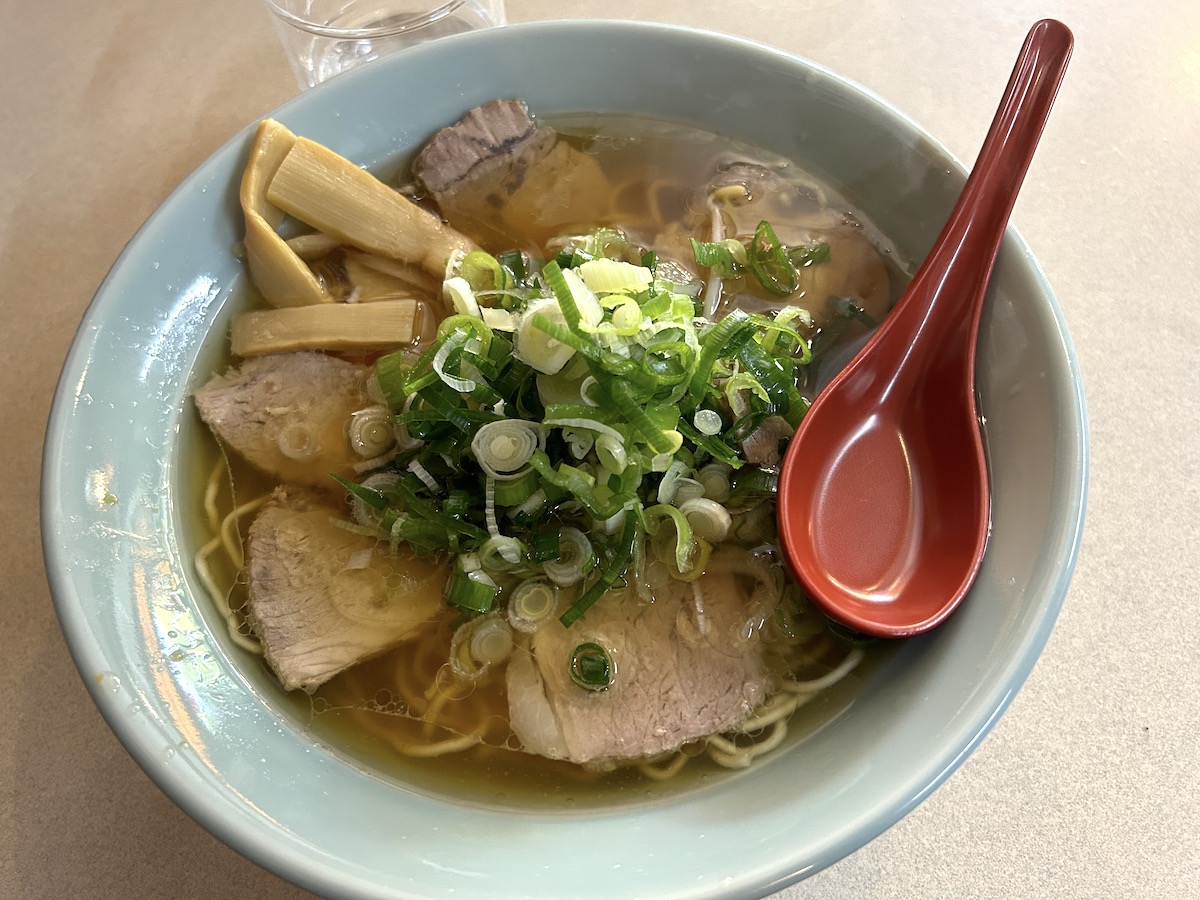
210 726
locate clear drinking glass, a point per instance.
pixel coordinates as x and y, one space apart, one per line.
325 37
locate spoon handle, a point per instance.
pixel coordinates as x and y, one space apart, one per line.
977 224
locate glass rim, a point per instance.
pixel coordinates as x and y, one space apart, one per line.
419 20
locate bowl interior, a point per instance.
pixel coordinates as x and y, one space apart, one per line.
211 729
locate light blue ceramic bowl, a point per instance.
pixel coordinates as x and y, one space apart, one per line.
213 731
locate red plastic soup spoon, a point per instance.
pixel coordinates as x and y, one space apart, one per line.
884 506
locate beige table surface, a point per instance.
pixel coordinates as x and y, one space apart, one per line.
1089 785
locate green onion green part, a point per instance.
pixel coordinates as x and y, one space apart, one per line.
592 667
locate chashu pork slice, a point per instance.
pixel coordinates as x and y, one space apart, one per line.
497 141
323 598
496 171
287 413
685 669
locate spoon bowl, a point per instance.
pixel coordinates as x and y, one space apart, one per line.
884 495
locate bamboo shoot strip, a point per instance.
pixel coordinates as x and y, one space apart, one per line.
333 326
371 278
333 195
279 274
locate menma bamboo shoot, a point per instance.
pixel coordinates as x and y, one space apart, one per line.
333 195
279 274
329 326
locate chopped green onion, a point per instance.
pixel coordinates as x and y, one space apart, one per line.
530 511
709 519
391 370
372 431
462 299
715 479
501 553
611 276
588 394
515 491
713 445
458 504
579 440
533 602
751 486
592 667
514 262
498 319
661 440
578 304
373 498
683 547
669 485
503 448
611 453
534 344
687 489
722 339
483 272
574 415
781 328
616 568
809 255
708 421
415 466
574 559
724 257
480 644
545 546
576 483
491 641
769 261
471 591
778 383
655 304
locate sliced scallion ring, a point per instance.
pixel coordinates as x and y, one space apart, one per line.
532 602
611 453
480 644
574 558
682 548
372 431
501 553
483 272
709 519
503 448
533 346
708 421
715 479
592 668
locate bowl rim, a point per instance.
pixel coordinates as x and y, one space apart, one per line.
274 844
